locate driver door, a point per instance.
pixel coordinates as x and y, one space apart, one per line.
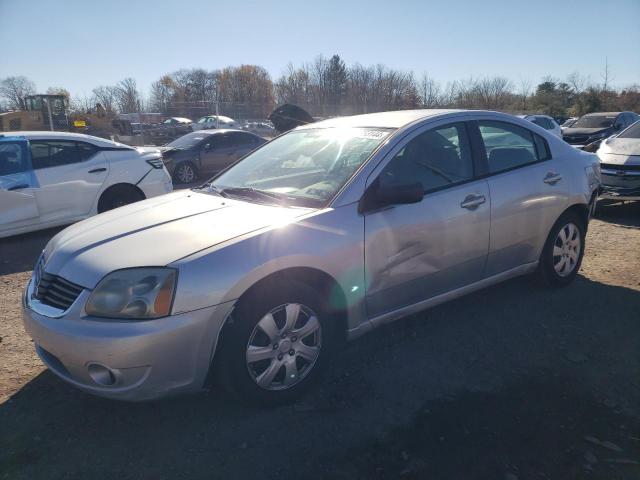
417 251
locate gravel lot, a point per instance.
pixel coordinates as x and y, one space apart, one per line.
514 382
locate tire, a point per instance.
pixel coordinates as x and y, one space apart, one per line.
185 172
119 196
561 259
285 361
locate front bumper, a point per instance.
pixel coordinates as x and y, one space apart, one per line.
620 185
127 360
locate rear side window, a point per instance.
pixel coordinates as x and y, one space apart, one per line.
510 146
544 122
55 153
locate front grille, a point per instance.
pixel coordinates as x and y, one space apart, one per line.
621 168
55 291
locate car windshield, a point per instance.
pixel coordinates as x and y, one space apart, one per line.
594 121
632 132
187 141
304 167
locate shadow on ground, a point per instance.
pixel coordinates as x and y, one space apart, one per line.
20 252
620 213
507 380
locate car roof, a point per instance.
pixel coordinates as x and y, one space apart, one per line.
216 131
608 114
395 119
81 137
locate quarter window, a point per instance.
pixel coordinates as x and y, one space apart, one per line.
509 146
436 158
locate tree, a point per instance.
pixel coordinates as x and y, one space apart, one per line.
127 96
525 91
336 81
107 96
14 89
429 92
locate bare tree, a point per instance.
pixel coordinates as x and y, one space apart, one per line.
128 97
107 96
525 91
14 89
429 91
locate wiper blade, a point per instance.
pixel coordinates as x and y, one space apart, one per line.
210 188
254 193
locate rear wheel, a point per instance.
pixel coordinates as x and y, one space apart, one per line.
562 254
118 196
278 343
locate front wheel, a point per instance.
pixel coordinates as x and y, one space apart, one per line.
185 172
562 254
277 345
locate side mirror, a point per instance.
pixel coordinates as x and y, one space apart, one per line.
378 196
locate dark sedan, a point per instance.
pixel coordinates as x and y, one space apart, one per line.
205 152
595 127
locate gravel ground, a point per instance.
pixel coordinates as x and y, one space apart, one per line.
514 382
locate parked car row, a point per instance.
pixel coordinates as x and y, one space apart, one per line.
324 233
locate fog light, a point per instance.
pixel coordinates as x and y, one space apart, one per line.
101 375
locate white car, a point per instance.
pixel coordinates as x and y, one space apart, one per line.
620 165
49 179
215 121
546 122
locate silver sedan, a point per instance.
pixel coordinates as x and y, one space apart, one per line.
320 235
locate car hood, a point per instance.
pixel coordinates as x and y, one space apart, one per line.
156 232
621 146
583 131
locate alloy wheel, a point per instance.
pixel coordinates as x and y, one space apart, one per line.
185 173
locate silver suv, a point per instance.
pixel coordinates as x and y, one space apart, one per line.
321 234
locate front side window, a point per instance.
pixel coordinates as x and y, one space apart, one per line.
13 158
510 146
304 167
436 158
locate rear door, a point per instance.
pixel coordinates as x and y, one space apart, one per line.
18 205
70 175
527 187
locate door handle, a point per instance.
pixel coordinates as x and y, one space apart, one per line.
552 178
18 187
98 170
471 202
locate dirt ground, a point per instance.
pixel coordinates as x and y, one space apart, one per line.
513 382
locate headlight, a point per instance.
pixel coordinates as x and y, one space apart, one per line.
138 293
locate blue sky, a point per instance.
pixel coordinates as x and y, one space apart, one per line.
81 44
